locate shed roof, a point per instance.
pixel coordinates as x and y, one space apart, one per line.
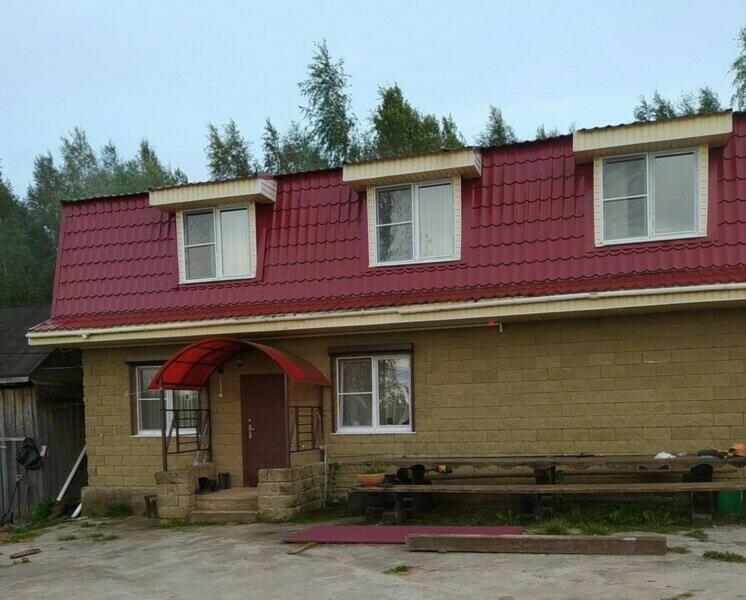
18 360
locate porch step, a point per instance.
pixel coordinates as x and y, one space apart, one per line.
234 500
223 516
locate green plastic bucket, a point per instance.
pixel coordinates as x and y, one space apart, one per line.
730 502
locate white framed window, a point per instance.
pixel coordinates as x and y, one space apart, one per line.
652 196
374 394
217 243
416 222
148 405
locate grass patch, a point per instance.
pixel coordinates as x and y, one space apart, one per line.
677 550
594 529
454 514
39 517
334 509
103 537
66 538
398 570
114 511
553 527
697 534
659 515
725 556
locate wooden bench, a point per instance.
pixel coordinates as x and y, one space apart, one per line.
701 492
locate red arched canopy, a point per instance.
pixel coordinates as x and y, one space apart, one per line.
191 367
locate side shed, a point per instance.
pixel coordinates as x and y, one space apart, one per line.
41 396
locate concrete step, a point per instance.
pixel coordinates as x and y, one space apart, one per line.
212 502
223 516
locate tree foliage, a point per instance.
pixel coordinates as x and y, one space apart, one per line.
738 68
26 254
328 107
28 232
496 132
400 129
703 101
228 153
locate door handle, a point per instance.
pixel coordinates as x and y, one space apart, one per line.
250 429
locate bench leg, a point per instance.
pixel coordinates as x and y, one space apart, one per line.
702 506
530 506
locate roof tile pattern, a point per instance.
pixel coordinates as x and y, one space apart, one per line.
527 231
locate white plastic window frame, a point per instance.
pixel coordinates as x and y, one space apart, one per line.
376 427
373 226
169 398
216 210
701 161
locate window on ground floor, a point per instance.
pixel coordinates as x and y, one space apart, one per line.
374 394
147 405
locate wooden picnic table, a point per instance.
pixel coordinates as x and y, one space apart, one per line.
696 472
580 461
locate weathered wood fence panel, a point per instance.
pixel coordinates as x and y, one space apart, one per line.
57 424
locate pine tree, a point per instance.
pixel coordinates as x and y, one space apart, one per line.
739 73
328 108
450 137
707 101
26 254
399 129
542 133
227 153
290 153
702 102
497 131
396 124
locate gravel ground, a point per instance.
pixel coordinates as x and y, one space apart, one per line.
249 561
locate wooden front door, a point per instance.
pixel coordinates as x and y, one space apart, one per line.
264 425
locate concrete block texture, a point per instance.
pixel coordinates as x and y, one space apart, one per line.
614 384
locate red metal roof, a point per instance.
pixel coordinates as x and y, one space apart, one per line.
527 227
191 367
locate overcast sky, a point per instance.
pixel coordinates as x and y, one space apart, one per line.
123 70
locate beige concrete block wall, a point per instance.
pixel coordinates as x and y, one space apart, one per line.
621 384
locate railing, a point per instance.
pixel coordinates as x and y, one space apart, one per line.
306 428
190 428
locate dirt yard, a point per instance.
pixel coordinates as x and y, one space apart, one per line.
133 559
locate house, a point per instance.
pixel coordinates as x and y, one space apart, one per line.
583 293
41 396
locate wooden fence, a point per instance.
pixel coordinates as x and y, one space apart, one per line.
57 424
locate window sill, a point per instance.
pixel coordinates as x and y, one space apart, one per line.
427 261
157 434
649 240
217 279
373 432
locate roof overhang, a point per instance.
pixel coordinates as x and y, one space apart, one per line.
466 162
410 317
212 193
714 129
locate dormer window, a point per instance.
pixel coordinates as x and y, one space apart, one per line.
216 225
650 196
415 222
216 243
414 204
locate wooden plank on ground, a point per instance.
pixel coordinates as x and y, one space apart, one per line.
562 488
653 545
